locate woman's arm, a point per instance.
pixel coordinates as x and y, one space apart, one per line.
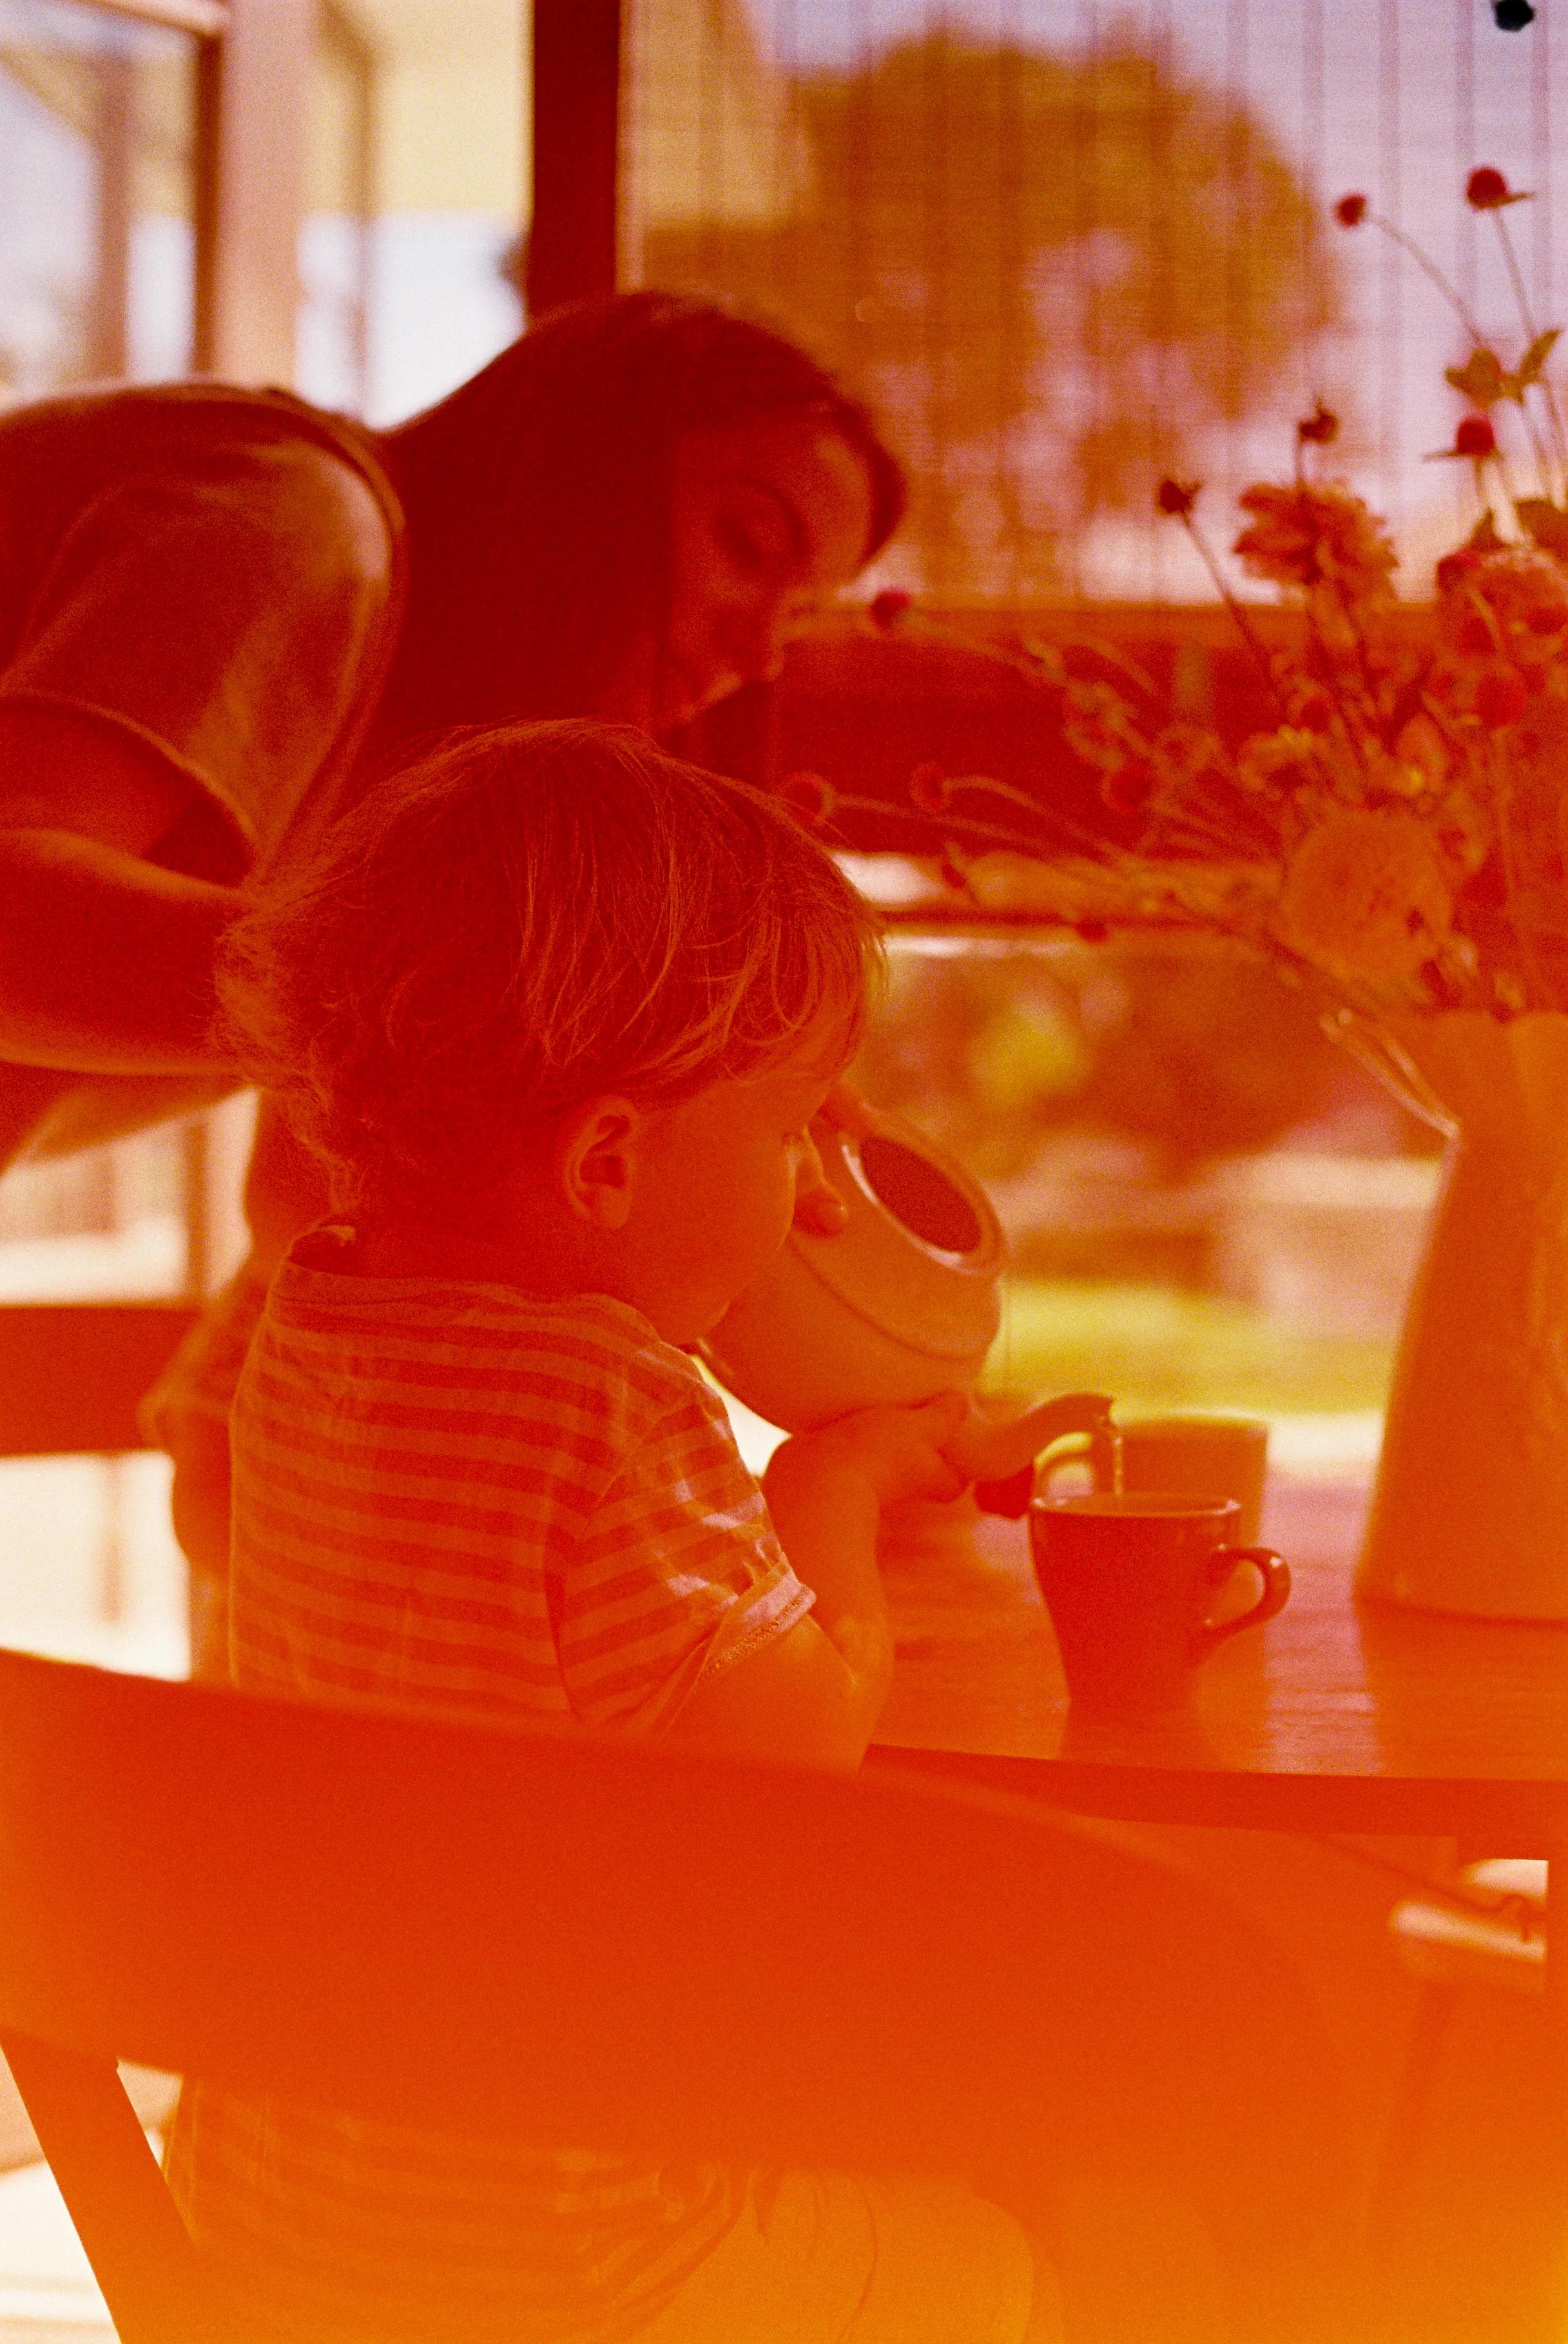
106 960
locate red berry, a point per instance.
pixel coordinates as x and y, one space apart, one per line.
1012 1498
1485 189
888 607
1093 932
1313 709
1501 696
1454 568
1126 791
808 797
928 788
1175 497
1474 636
1350 210
1319 428
1474 436
1547 618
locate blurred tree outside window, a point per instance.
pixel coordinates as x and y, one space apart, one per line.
1057 272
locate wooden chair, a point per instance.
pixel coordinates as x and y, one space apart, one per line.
567 1938
72 1378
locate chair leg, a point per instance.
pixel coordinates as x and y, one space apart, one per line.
142 2255
1466 2219
1390 2200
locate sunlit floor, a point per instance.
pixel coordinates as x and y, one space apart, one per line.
47 2293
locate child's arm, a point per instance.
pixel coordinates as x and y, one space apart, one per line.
813 1696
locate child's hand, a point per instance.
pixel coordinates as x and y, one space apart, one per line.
896 1451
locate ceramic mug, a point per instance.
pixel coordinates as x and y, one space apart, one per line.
1200 1455
1131 1582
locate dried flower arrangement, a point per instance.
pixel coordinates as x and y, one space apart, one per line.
1398 837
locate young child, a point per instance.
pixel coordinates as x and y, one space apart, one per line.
558 1012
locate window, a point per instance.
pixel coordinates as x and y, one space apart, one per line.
336 238
1067 247
101 126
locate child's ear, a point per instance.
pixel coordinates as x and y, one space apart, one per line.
596 1151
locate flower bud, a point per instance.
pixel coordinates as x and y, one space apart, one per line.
808 797
1474 436
1320 427
888 607
928 788
1486 190
1175 497
1126 791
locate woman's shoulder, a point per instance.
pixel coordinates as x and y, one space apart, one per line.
270 453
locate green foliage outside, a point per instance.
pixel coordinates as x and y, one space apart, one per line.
1192 1054
1157 1347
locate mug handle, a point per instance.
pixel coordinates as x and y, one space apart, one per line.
1275 1572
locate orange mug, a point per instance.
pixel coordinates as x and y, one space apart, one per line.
1131 1580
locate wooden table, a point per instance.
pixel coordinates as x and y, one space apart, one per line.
1334 1718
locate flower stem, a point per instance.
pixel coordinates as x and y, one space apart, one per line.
1408 244
1539 450
1244 626
1523 298
1505 488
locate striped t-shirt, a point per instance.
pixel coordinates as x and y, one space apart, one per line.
460 1501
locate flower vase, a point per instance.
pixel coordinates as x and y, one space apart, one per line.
1470 1513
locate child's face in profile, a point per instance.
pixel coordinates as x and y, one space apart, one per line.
718 1178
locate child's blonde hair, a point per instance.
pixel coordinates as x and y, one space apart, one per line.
528 918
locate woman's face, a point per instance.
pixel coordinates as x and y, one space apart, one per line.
768 518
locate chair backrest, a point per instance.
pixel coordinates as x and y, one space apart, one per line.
565 1937
73 1374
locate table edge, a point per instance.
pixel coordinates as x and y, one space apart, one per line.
1515 1816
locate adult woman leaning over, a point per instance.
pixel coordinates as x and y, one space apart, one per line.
222 611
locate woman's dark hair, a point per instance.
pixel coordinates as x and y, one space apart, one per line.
538 497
